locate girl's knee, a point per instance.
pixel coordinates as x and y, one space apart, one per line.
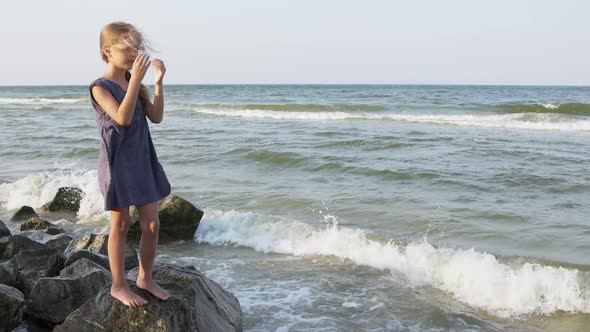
150 227
120 223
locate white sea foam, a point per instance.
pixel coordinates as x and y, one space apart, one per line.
545 121
550 106
38 189
473 277
42 101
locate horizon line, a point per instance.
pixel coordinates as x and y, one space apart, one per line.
325 84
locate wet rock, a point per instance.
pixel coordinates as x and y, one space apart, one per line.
92 242
32 325
24 213
34 264
98 244
53 299
36 224
66 199
12 245
197 304
4 231
79 254
12 303
59 242
8 272
179 220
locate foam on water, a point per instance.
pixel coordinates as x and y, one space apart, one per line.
546 121
473 277
42 101
38 189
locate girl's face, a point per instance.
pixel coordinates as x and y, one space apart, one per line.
123 56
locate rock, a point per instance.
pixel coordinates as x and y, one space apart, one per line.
179 220
8 272
197 304
98 244
66 199
4 231
92 242
24 213
53 230
79 254
34 264
59 242
31 325
36 224
53 299
12 245
12 304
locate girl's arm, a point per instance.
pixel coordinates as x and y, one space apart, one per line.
123 113
155 111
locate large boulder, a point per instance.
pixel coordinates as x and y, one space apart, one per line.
98 244
24 213
12 245
66 199
34 264
12 304
4 231
197 304
8 272
59 242
53 299
79 254
179 220
92 242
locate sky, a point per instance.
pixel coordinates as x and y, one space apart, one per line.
522 42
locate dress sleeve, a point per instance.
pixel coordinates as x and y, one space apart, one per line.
102 83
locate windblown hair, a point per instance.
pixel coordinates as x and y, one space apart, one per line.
121 33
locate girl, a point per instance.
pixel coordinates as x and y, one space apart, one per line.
128 169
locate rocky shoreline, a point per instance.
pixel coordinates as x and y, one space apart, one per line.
50 281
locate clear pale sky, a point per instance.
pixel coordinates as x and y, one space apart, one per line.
308 41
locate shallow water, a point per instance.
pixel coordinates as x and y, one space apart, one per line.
375 208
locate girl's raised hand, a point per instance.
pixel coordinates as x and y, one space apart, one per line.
159 70
140 66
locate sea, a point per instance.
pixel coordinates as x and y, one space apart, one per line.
349 207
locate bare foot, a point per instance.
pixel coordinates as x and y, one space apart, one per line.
127 297
153 288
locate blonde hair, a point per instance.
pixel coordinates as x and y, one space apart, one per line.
121 33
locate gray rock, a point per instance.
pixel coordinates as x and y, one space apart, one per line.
78 254
36 224
98 244
8 272
53 299
59 242
53 230
12 245
31 325
179 220
66 199
24 213
37 263
92 242
4 231
197 304
12 304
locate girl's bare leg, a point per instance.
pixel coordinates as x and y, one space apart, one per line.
120 222
150 226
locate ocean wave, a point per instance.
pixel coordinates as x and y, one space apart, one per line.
42 101
559 108
511 121
294 107
476 278
37 189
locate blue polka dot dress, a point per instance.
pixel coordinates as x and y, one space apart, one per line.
128 169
